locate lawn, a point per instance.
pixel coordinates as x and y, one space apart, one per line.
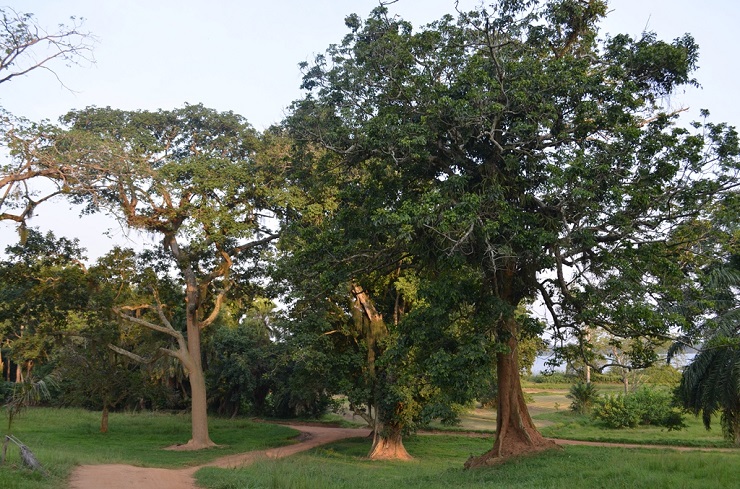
439 460
63 438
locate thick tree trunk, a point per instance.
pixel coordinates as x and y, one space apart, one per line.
198 399
104 420
515 431
388 444
199 411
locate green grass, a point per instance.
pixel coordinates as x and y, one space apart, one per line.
439 460
572 426
63 438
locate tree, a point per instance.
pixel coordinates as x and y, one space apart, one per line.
92 375
25 46
240 359
515 143
43 288
711 382
190 176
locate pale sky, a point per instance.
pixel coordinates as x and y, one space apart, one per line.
243 56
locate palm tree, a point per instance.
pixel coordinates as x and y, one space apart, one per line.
711 382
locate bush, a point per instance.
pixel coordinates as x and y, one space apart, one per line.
645 407
552 378
583 395
617 412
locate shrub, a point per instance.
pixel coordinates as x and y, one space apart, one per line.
617 412
583 395
552 378
645 406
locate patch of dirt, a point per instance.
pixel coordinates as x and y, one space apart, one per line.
119 476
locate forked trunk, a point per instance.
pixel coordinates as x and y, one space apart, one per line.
515 431
388 444
104 420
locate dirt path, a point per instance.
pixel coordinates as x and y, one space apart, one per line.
117 476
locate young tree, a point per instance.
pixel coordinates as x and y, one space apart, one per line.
517 143
191 177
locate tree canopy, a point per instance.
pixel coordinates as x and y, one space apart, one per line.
518 143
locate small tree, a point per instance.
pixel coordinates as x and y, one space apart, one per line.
27 393
583 395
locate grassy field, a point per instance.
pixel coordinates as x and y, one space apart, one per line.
63 438
439 459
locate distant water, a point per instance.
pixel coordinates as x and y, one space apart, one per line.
539 365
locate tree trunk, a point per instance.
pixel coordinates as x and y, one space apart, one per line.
104 419
625 381
515 431
198 399
199 410
388 444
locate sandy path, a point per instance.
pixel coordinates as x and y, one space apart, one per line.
112 476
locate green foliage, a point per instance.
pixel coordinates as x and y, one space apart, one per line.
663 375
568 425
711 383
240 359
645 406
30 392
616 412
584 396
515 149
43 288
552 378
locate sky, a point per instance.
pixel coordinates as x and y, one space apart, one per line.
243 56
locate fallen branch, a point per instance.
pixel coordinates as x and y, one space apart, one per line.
27 456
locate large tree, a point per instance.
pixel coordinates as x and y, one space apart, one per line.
191 177
515 142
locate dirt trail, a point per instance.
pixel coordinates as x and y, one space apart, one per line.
117 476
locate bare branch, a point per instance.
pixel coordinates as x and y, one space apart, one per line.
26 46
